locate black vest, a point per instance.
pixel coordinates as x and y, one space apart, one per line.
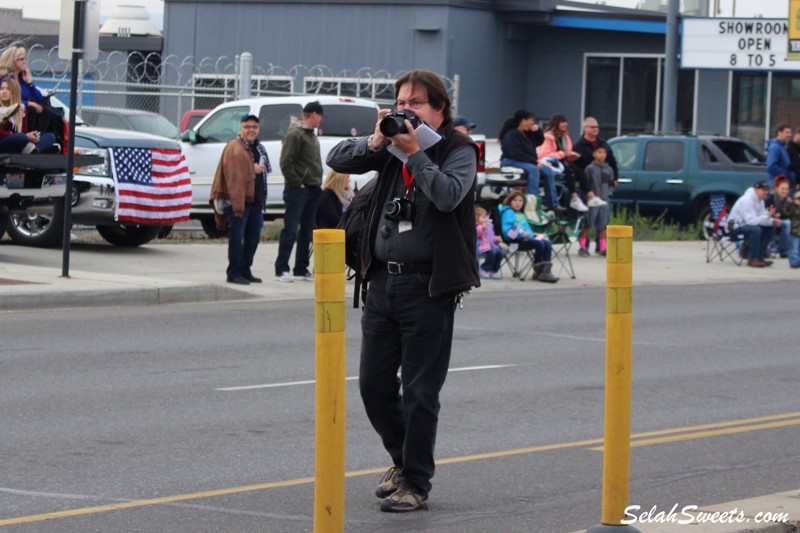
455 266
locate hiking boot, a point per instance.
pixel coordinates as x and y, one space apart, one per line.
547 275
404 501
757 263
388 483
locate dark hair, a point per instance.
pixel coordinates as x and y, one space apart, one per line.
513 121
555 120
434 87
600 147
782 127
513 194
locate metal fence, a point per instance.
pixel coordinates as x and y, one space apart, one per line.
172 85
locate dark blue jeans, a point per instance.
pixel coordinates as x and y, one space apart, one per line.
542 249
301 209
492 260
758 239
14 143
243 238
403 327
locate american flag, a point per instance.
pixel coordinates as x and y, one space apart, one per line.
152 186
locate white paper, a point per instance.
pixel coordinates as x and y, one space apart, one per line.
426 136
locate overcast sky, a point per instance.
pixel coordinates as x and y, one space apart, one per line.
51 9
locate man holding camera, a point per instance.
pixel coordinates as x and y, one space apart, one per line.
418 254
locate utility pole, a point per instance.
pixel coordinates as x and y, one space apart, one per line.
671 69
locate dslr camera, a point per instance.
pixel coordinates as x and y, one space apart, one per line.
399 209
394 123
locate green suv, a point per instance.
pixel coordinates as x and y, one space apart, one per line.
678 173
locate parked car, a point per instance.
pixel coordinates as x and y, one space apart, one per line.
191 118
676 174
129 119
203 144
41 223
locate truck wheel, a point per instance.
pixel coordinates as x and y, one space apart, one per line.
210 227
128 234
38 229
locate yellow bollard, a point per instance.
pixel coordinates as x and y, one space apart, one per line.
329 315
619 351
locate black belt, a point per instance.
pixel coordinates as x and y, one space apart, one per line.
395 268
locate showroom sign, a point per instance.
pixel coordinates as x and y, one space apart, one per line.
735 44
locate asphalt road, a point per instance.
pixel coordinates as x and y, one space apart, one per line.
105 410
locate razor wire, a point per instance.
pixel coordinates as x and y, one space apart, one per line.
171 85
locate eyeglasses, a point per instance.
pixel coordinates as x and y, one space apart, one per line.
250 127
413 104
593 127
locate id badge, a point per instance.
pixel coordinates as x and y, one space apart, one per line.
404 225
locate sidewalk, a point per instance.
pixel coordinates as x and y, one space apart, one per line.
103 275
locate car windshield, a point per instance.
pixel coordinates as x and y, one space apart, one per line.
740 152
155 124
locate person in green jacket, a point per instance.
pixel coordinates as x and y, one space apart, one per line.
301 165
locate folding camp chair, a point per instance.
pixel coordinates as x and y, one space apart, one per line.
562 233
519 256
724 241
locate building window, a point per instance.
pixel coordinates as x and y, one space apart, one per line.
602 92
785 104
635 104
748 106
640 95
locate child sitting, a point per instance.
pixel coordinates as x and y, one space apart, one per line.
602 179
516 228
488 247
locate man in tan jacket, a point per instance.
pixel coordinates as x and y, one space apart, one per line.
241 185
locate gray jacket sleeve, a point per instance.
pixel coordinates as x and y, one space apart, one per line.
446 187
351 156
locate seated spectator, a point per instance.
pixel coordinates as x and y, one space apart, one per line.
558 144
14 135
779 199
488 246
515 228
792 212
751 216
519 136
336 196
14 63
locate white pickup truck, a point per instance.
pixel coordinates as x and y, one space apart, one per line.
202 145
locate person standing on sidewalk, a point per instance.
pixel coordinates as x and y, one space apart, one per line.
418 254
301 164
240 185
778 157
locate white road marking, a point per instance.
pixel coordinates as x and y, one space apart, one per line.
350 378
